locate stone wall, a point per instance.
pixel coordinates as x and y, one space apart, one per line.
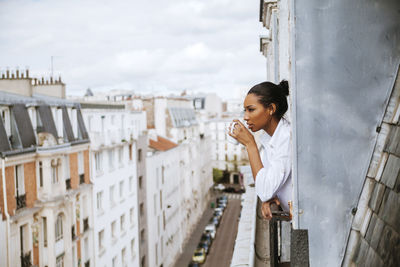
375 235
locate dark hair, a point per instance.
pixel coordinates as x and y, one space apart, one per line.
269 93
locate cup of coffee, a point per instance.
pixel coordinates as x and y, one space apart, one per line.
230 138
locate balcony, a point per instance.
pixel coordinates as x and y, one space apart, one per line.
68 183
85 224
26 260
81 178
21 201
87 263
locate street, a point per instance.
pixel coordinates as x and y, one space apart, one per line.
221 250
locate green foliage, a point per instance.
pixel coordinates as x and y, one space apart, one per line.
217 175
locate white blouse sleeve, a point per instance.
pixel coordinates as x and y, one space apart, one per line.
270 178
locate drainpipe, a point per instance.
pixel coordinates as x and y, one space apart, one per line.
3 177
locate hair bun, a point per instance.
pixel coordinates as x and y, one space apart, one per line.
284 85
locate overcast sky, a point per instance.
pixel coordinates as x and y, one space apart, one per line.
145 46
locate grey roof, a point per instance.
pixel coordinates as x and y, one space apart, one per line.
35 100
183 117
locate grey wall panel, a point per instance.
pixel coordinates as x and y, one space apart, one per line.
24 124
4 143
67 125
47 120
346 57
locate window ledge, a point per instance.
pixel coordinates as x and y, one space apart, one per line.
102 251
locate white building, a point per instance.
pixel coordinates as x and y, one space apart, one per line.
114 131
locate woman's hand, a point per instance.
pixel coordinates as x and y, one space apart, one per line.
241 133
266 208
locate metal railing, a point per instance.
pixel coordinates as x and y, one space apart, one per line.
81 178
87 263
21 201
73 235
68 183
26 260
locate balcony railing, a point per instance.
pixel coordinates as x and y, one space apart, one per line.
87 263
73 235
81 178
26 260
85 224
21 201
68 183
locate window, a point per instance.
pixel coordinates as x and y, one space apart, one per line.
54 171
40 174
114 230
141 209
140 155
131 216
19 180
60 261
131 184
122 222
114 262
98 161
155 204
66 167
100 200
111 158
81 169
121 189
130 152
140 182
112 197
101 240
160 200
121 156
86 246
133 252
142 236
59 228
44 231
123 257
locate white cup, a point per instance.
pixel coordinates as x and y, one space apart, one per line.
230 138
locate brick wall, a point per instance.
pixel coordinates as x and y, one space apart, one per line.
86 166
30 183
375 234
10 191
73 166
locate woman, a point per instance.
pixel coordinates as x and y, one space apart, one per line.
264 107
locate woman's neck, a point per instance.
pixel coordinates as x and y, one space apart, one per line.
271 127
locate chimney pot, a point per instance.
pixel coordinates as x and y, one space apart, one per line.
35 81
3 75
51 80
12 76
59 79
17 73
27 73
42 80
47 81
8 74
22 75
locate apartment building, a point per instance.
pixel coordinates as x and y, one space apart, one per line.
112 130
179 176
45 189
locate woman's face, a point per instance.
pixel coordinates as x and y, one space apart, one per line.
255 114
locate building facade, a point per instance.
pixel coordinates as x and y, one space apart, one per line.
46 191
114 132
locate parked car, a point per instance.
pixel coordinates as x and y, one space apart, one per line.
219 187
205 246
194 264
221 209
240 191
206 238
199 255
218 214
211 229
214 220
229 190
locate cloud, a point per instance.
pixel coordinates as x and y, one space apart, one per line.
208 45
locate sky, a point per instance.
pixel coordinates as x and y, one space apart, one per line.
145 46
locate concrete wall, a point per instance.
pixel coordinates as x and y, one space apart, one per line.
375 233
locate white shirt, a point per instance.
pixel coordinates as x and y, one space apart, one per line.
275 178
